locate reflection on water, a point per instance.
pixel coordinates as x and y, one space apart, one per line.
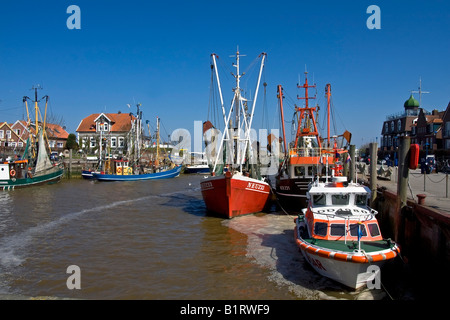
147 240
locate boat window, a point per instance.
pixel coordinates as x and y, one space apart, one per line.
300 171
312 171
339 199
319 200
337 229
354 229
361 199
320 228
373 229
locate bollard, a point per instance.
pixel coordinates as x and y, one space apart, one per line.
421 198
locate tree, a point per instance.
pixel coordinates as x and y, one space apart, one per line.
72 142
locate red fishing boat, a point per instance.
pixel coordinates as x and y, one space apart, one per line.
234 187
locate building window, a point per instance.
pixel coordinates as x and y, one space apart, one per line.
102 127
17 131
2 134
121 142
113 142
92 145
8 134
386 127
399 125
392 126
20 144
60 145
13 144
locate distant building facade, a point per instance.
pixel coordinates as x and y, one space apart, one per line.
113 130
14 136
400 124
430 130
427 131
9 139
446 129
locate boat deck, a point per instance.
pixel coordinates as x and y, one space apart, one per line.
340 245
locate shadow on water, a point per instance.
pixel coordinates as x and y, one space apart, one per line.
188 203
293 267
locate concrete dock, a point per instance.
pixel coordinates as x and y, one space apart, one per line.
421 227
435 186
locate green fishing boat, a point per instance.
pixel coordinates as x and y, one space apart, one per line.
34 166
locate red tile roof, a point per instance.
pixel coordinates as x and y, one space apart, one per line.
54 131
120 122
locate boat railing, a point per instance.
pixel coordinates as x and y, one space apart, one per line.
310 152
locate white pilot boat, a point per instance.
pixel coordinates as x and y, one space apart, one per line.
339 235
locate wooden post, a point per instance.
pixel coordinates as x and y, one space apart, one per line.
70 163
402 184
351 176
373 171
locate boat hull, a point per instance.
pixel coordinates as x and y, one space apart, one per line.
291 194
196 169
51 177
348 268
175 172
88 174
231 196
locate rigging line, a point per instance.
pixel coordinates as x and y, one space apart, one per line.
343 124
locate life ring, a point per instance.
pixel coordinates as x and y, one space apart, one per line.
12 172
119 170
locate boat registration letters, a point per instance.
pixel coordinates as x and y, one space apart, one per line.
255 186
206 185
316 263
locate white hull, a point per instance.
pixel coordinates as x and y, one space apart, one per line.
351 274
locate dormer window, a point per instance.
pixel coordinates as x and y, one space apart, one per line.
102 127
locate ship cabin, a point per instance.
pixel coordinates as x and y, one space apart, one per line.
14 170
336 210
121 167
308 160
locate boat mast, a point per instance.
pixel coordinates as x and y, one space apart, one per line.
328 92
233 128
157 141
306 112
280 98
247 141
237 105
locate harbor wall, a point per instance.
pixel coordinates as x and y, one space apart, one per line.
73 167
422 232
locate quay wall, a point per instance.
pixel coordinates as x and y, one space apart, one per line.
76 166
422 232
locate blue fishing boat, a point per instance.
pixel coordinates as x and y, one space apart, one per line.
123 174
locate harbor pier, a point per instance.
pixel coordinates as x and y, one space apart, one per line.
421 226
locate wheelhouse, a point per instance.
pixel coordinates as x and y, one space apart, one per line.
338 213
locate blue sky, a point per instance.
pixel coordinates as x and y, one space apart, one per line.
158 53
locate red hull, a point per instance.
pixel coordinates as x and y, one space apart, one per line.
232 196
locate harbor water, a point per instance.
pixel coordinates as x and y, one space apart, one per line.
150 240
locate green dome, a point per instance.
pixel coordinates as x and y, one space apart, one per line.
411 103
